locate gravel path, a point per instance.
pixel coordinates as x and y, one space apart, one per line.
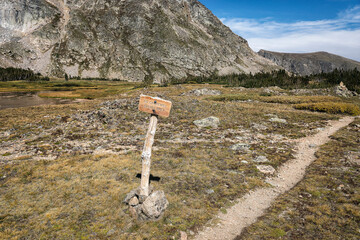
253 205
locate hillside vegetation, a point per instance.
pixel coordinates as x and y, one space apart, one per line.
281 79
14 74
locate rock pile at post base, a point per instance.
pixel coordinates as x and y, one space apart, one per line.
146 208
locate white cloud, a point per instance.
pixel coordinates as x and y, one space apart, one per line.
339 36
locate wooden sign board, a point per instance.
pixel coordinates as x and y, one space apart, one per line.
155 105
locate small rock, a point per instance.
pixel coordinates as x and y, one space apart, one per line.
209 191
110 232
212 122
133 212
155 205
244 162
343 91
191 233
271 115
312 145
131 194
277 120
134 201
77 149
260 159
202 92
183 235
259 126
240 147
266 169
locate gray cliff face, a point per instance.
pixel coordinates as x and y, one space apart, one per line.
124 39
310 63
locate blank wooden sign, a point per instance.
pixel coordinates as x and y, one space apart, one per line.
155 105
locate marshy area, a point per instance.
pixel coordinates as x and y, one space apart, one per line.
65 169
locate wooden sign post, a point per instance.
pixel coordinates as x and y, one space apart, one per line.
156 107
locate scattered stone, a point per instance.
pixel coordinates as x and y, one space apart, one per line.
271 115
154 205
183 235
133 212
353 157
277 120
209 191
312 145
266 169
259 127
131 194
240 147
134 201
212 122
273 91
202 92
110 232
260 159
342 91
244 162
118 103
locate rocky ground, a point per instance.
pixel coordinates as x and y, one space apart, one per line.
63 167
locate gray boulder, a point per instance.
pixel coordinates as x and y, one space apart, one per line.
342 91
212 122
266 169
277 120
261 159
202 92
240 147
154 205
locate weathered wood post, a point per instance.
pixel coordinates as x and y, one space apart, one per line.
146 156
156 107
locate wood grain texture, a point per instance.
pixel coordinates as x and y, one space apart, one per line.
146 156
154 105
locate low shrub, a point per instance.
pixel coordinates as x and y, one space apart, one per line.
275 99
331 107
233 97
299 99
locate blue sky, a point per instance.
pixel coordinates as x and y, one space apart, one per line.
294 26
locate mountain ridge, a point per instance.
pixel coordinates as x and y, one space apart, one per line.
310 63
129 40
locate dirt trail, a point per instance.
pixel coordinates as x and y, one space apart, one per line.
254 204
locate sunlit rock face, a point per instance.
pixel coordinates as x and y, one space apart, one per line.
124 39
25 16
310 63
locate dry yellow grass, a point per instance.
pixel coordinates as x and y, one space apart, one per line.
80 196
60 94
331 107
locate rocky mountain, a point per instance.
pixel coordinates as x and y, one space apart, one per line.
310 63
125 39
